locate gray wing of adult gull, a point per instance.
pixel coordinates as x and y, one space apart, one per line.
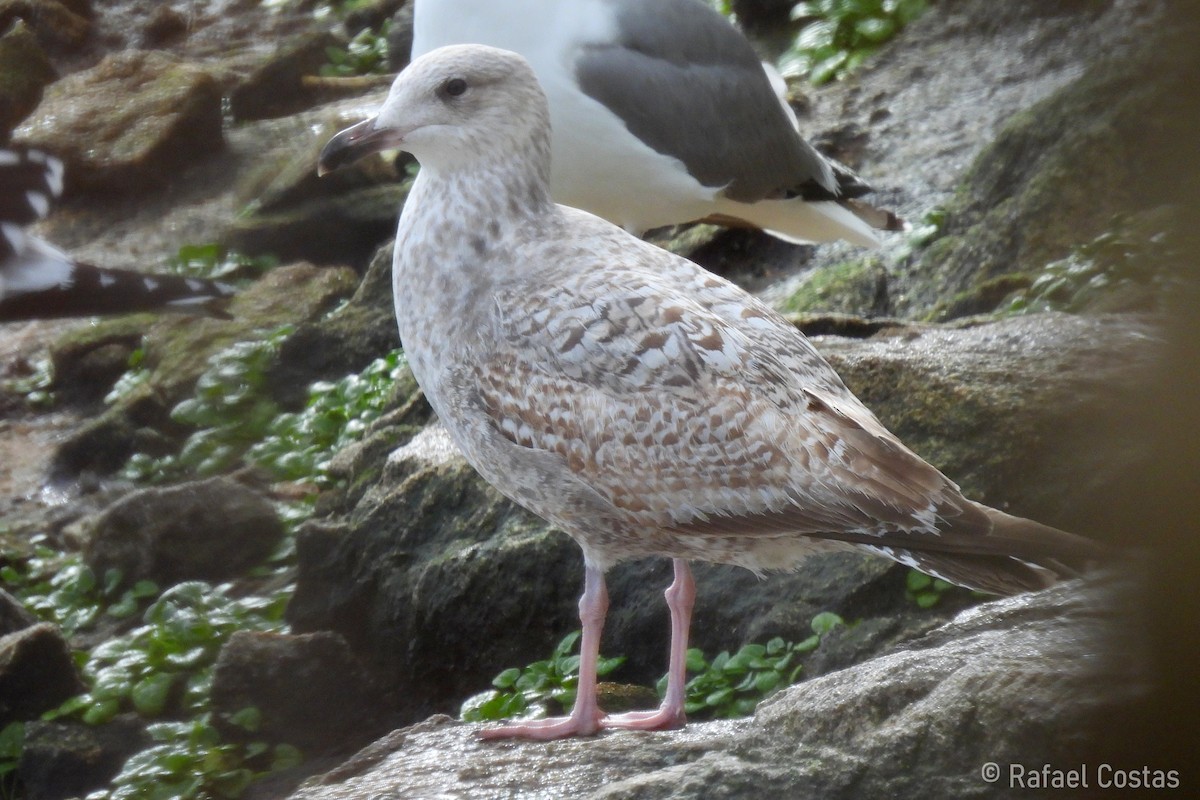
690 86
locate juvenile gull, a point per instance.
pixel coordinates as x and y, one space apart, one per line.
643 405
37 280
662 113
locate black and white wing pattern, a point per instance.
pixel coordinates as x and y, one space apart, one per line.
39 281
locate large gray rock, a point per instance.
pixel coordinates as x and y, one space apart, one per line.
1022 681
421 564
272 671
36 672
210 530
66 759
13 616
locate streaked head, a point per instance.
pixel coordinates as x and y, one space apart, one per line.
452 107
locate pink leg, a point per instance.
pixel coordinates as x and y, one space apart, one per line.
681 596
586 715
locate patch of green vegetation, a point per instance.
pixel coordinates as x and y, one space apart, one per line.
58 587
539 689
191 762
849 286
231 410
733 685
841 34
1126 268
366 54
163 669
12 742
298 446
727 686
236 420
213 260
923 233
35 385
925 590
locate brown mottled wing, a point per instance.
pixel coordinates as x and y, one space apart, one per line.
700 410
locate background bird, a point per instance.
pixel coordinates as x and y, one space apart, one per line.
641 404
37 280
662 113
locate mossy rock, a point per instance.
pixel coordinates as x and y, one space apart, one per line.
851 287
176 352
133 120
1055 178
24 72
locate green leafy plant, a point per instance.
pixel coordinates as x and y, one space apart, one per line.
1132 259
165 665
60 588
130 379
236 420
925 590
35 384
12 741
230 410
213 260
189 761
298 446
365 54
733 685
532 692
728 686
841 34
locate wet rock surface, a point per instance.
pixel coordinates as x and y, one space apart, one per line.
1008 682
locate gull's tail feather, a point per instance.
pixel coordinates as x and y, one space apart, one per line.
88 290
1016 555
38 281
804 221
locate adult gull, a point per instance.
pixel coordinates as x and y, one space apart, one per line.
641 404
662 113
37 280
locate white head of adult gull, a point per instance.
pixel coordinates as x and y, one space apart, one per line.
662 113
38 281
643 405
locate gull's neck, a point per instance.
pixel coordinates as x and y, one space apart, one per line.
456 242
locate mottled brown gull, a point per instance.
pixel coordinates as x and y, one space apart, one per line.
662 113
643 405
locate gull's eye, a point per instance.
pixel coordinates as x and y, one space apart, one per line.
454 87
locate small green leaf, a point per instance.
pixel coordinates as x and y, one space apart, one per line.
101 712
875 29
767 681
916 580
826 621
248 719
150 694
507 679
286 757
